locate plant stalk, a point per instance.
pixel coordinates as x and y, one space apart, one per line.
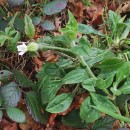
117 116
87 67
54 48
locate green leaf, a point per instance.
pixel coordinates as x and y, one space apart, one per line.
86 29
62 39
121 101
49 90
71 28
54 7
1 101
13 3
105 123
89 84
48 25
122 31
5 75
53 70
109 81
60 103
29 27
82 48
11 22
12 46
3 38
64 63
103 102
125 88
15 114
100 83
19 24
111 64
16 38
96 55
104 83
113 19
122 72
22 79
34 107
1 114
75 76
10 94
73 120
87 113
36 20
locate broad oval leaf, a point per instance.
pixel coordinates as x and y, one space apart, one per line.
10 94
36 20
89 84
60 103
49 90
75 76
87 113
5 75
34 106
29 27
54 7
103 102
48 25
15 114
105 123
13 3
96 55
53 70
83 47
111 64
121 101
122 72
86 29
22 79
73 120
125 88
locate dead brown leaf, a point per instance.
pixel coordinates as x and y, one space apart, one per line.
2 2
8 125
124 7
77 9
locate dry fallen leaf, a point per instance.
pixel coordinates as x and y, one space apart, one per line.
77 8
124 7
2 2
8 125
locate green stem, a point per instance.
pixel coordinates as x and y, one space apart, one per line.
54 48
117 116
81 59
122 122
126 110
76 88
107 92
87 67
92 75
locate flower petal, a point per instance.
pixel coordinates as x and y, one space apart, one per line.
22 47
21 53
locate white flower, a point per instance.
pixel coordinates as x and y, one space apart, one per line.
22 49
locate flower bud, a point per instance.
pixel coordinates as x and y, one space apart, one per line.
32 46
